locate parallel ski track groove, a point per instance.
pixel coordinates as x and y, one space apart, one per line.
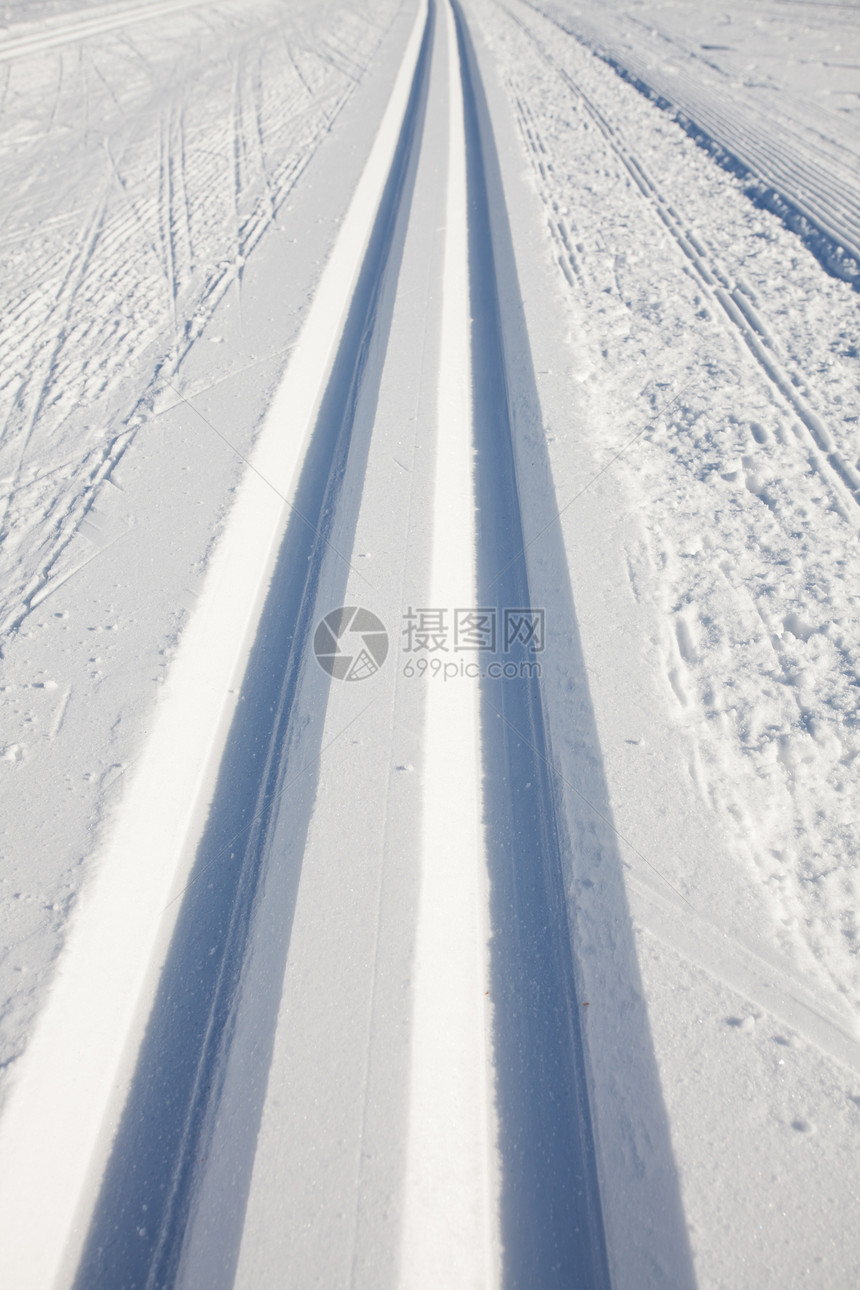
842 478
552 1222
827 204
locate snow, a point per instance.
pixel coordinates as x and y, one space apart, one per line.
768 89
471 929
750 532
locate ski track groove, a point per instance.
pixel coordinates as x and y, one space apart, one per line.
295 63
64 303
165 205
551 1208
182 186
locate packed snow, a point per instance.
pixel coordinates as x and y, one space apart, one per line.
512 981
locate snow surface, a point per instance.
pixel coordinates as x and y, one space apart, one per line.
136 234
674 231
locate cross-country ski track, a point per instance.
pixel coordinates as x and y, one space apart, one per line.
172 1205
356 993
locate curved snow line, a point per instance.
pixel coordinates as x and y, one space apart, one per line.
67 1090
825 1022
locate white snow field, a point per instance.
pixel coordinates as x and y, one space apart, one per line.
430 630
